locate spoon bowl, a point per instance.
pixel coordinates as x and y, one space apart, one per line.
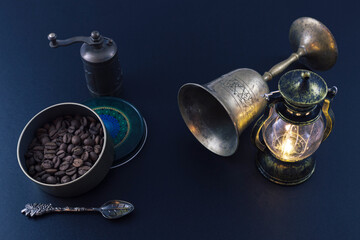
116 209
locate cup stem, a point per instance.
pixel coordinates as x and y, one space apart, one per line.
281 66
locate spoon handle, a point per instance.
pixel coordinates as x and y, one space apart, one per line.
37 209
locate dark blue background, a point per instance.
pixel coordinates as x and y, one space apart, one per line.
180 190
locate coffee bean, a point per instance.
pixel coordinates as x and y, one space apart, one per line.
41 131
39 174
49 151
84 121
58 123
78 132
38 168
53 133
73 177
38 148
51 145
64 166
60 153
75 140
85 156
51 170
70 171
71 129
65 124
47 164
93 156
65 179
59 173
77 150
38 156
84 136
82 170
57 162
77 162
45 139
69 148
88 148
62 132
63 147
97 149
41 136
58 140
92 125
68 158
49 156
102 141
50 180
75 123
45 176
89 164
67 138
97 140
89 142
55 159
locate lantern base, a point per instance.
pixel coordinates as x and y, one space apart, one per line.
284 173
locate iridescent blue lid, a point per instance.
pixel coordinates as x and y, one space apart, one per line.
124 123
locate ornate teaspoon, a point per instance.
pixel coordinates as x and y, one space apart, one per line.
111 210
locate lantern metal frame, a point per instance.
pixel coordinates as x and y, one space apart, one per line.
299 102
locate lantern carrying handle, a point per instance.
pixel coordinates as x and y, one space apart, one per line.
272 98
328 113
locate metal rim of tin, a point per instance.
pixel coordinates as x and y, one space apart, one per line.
19 157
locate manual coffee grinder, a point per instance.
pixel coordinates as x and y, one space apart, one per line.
100 59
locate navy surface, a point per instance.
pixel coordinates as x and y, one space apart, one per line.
180 190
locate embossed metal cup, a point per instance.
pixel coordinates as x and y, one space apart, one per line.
217 112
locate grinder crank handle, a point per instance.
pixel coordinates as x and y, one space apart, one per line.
94 40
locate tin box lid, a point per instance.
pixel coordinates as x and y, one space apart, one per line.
125 125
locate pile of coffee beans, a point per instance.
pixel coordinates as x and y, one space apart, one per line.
64 149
